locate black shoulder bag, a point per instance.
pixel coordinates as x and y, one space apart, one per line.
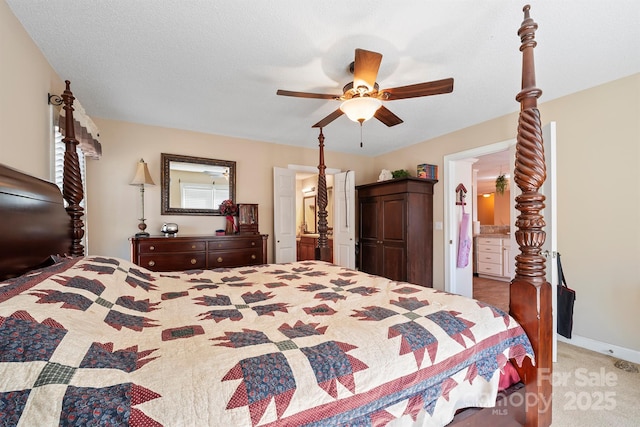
566 299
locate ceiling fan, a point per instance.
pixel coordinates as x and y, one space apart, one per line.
218 172
362 98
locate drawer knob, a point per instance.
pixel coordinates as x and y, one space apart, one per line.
152 263
219 259
193 261
193 246
152 248
253 256
253 243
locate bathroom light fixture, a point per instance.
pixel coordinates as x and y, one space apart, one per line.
360 108
142 178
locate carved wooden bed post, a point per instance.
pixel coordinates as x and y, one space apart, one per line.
530 301
322 251
72 181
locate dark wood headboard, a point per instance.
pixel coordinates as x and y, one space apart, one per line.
33 223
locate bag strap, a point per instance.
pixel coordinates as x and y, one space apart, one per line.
561 280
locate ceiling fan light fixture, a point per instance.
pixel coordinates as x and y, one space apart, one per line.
360 109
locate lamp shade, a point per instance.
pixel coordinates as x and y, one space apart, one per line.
360 109
142 175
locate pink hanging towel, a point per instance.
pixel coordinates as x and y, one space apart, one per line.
464 241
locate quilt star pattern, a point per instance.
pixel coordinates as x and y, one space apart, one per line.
101 341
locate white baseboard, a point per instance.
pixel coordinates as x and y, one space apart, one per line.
603 347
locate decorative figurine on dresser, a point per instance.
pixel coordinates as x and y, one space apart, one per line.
247 218
170 252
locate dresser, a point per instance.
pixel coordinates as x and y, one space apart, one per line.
177 253
490 256
494 258
396 229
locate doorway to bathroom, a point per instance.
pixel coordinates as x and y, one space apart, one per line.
295 210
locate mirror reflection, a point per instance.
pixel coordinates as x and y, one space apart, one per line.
195 185
306 196
309 213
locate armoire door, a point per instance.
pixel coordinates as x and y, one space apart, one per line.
392 229
370 257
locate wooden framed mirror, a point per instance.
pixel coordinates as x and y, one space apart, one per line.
196 185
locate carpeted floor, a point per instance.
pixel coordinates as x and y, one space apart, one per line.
588 389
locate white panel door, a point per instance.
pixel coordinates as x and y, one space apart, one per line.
460 172
284 214
344 234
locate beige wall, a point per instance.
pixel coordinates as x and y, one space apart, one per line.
598 190
495 209
502 208
485 206
26 78
598 177
599 206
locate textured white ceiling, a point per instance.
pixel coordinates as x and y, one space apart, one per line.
215 66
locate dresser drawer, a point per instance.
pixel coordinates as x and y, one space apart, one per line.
494 258
173 261
488 268
489 241
227 258
489 249
172 246
236 244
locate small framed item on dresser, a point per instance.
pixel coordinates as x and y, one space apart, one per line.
248 218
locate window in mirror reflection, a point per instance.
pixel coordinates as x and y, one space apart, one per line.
196 186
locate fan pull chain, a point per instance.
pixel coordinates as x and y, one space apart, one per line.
361 121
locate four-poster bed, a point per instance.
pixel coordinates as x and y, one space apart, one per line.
529 284
101 340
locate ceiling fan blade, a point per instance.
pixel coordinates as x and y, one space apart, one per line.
420 89
306 94
365 68
331 117
387 117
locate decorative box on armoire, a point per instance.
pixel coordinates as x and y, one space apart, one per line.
396 229
248 218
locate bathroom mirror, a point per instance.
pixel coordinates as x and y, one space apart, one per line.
196 185
309 213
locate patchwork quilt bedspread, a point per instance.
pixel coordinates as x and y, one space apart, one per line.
101 341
